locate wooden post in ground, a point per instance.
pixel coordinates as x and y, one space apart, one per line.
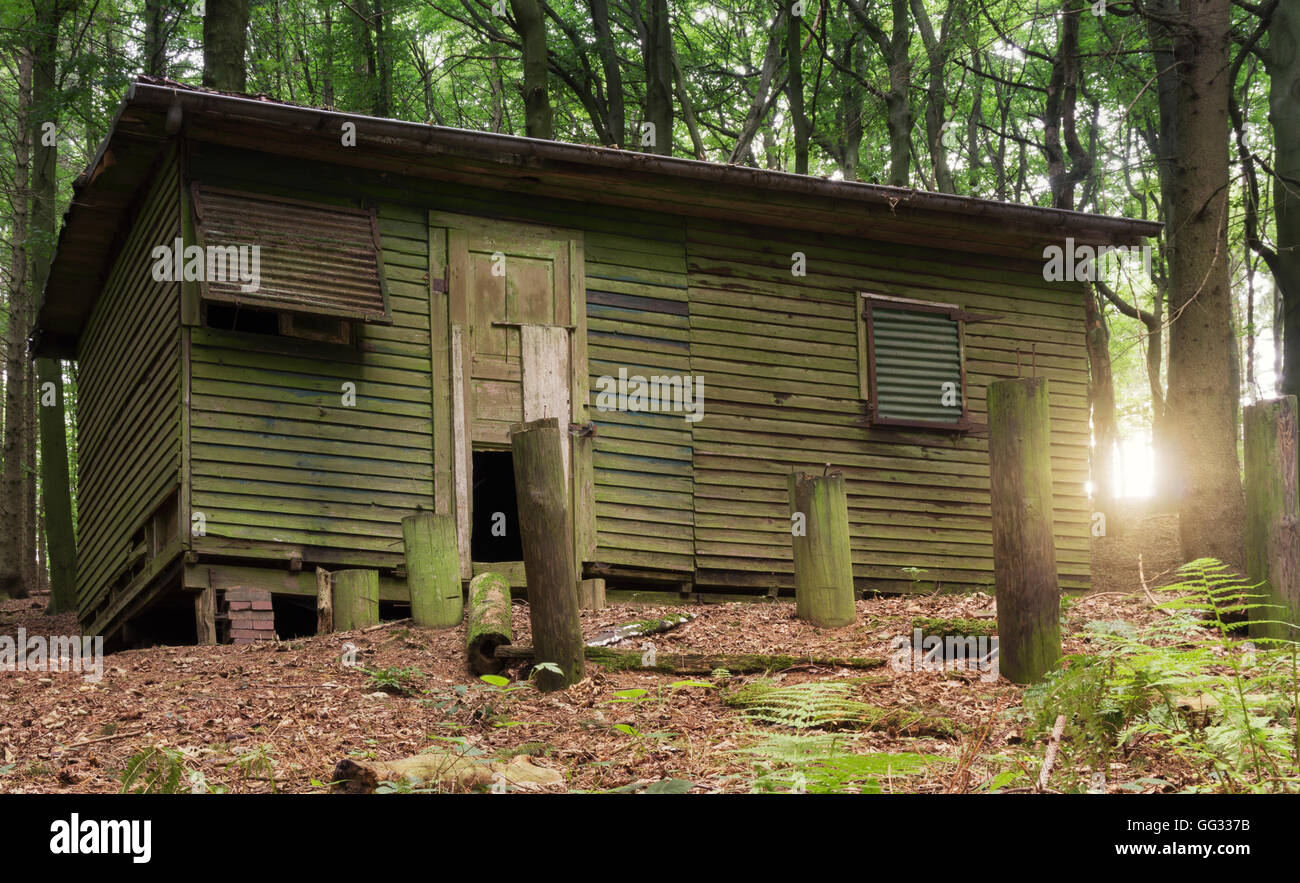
1024 543
546 532
823 562
488 624
356 599
433 569
591 594
205 615
1272 545
324 602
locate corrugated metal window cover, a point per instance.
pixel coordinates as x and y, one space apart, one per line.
916 350
314 258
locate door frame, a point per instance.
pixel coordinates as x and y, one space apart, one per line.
451 333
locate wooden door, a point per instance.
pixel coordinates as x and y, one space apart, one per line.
516 319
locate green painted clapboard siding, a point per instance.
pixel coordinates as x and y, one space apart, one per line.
278 461
916 498
779 357
128 420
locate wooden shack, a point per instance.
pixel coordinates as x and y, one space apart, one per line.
416 290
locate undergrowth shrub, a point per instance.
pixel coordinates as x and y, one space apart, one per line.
1227 707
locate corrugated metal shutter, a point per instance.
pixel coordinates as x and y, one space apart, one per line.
314 258
916 353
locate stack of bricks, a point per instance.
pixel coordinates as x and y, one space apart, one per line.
250 615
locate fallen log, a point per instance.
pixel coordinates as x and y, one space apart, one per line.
441 770
489 622
700 663
639 629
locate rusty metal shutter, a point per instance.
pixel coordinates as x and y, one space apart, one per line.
313 258
915 353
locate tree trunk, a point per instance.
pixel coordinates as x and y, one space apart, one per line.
659 77
225 41
155 38
538 122
56 491
1272 543
1284 96
794 87
1202 400
823 563
546 532
616 112
1101 395
11 495
1024 545
440 770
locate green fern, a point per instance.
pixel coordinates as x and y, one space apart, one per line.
823 705
820 763
1224 707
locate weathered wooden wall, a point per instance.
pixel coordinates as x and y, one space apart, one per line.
279 465
129 407
781 358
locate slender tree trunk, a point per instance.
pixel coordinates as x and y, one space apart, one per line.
538 121
225 41
1101 393
12 496
794 88
1284 98
616 113
1202 400
155 38
659 76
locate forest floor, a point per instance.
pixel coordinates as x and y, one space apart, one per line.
278 716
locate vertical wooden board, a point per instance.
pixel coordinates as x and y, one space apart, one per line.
440 372
461 462
546 380
584 486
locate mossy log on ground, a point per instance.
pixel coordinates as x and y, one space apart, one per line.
701 663
956 627
453 772
489 622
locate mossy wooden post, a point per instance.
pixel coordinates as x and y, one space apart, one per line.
823 565
488 625
1272 545
546 532
1024 545
356 599
433 570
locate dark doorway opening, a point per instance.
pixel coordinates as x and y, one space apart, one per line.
494 534
295 617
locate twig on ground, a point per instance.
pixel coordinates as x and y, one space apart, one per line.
1050 758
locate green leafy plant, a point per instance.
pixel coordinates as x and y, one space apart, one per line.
399 681
158 770
1223 706
823 763
819 704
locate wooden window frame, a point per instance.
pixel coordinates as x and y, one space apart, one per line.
954 312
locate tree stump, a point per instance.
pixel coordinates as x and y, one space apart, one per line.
1024 543
1272 545
546 532
823 563
433 570
356 599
